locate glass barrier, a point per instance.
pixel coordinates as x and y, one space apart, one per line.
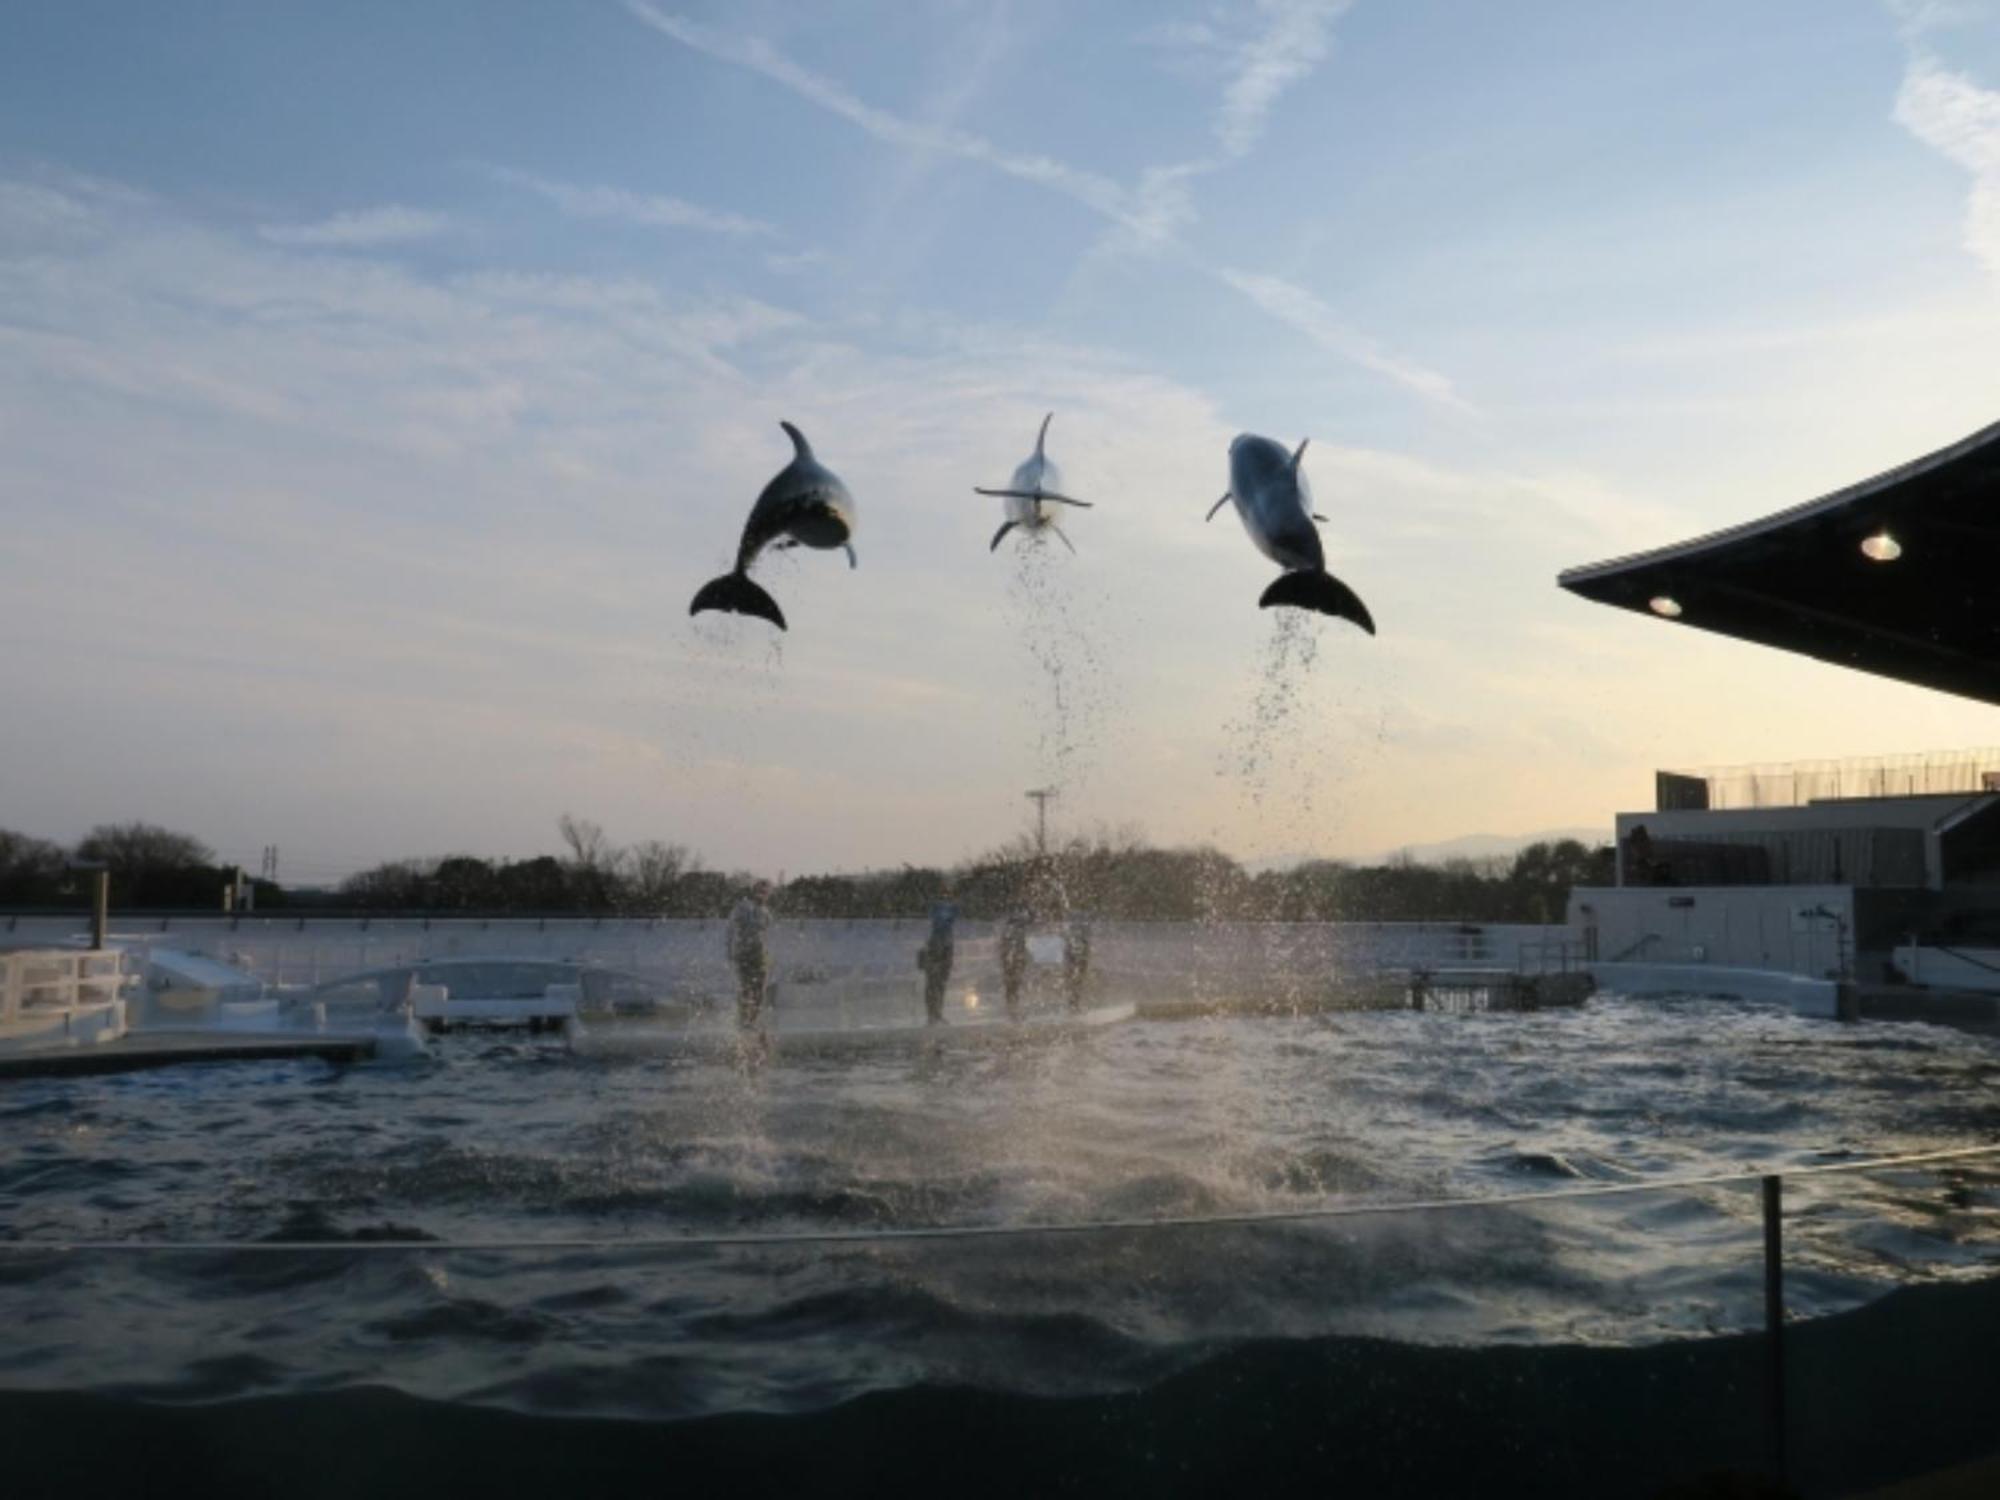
1536 1343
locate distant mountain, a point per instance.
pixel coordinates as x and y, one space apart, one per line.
1491 845
1471 846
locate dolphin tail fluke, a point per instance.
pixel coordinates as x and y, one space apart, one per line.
1226 498
1042 436
1005 527
1322 592
737 595
1054 499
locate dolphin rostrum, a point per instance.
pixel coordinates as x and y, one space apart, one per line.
1035 484
805 504
1272 497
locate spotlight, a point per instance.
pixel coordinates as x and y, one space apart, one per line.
1881 547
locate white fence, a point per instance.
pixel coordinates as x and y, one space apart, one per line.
688 958
61 994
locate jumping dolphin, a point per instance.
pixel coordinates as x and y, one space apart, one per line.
1272 497
1034 485
806 503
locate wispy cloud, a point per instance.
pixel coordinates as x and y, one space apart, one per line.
1258 50
792 262
1261 50
1283 51
1921 18
652 210
1290 41
360 229
1950 113
1298 307
1089 188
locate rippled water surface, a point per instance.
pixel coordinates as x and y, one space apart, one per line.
505 1138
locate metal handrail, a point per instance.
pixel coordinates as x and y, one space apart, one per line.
1964 957
1634 949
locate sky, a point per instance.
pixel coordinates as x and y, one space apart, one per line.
378 383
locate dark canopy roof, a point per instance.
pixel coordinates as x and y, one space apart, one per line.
1799 580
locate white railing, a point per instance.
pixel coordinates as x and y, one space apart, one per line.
835 960
46 984
1795 783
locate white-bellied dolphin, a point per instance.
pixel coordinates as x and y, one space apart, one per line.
1036 484
1273 499
806 504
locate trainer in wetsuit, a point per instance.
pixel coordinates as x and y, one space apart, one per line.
748 923
1076 960
936 955
1014 959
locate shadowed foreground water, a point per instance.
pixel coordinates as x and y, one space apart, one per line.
516 1139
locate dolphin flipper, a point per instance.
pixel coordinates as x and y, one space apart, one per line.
735 594
1311 589
1005 527
1226 498
1047 497
1061 537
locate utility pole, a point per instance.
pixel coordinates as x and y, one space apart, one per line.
1040 797
100 899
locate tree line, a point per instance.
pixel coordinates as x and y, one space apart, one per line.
150 867
1109 875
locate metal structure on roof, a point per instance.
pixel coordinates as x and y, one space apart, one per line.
1898 575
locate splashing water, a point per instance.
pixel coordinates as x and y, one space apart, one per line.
720 658
1144 1120
1060 627
1271 746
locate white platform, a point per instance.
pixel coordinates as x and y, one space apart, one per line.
1803 995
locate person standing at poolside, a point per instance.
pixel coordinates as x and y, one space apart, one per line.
748 924
1014 959
1076 960
936 955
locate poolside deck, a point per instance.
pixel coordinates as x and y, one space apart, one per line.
1454 989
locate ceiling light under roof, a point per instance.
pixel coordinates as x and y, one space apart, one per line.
1665 606
1881 547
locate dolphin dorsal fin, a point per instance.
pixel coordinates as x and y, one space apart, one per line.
1299 453
1043 434
800 447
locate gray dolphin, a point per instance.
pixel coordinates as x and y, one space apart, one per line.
1035 485
805 504
1273 499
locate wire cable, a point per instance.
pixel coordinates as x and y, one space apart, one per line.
935 1232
